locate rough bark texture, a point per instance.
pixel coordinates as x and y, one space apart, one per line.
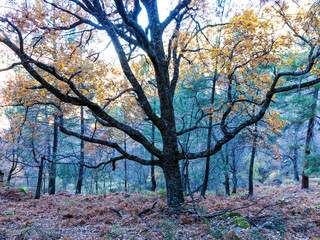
1 176
173 183
153 177
234 172
295 155
53 165
39 182
125 168
226 174
253 154
153 180
81 167
304 181
14 164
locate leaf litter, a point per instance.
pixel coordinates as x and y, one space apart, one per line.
276 212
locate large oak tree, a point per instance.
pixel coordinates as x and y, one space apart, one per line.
246 67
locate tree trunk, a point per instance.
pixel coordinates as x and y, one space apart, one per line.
173 183
44 182
304 181
184 175
53 166
153 178
295 155
305 178
81 167
110 181
226 173
234 172
104 183
206 175
27 178
253 153
38 191
1 176
48 154
13 166
295 170
96 180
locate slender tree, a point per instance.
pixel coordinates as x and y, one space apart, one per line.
253 154
1 176
311 123
53 164
153 177
81 162
295 154
234 172
39 182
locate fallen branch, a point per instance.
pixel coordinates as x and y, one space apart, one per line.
117 212
228 210
147 210
218 213
272 205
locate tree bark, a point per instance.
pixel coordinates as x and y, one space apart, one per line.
44 182
125 167
39 182
53 166
234 172
304 181
1 176
153 178
81 167
13 166
173 183
96 181
305 178
295 155
226 173
206 175
253 153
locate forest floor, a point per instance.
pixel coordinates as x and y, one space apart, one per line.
285 212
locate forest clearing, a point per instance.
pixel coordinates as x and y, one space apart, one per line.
159 119
282 212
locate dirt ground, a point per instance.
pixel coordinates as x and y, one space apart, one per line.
285 212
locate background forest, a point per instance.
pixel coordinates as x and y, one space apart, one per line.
278 158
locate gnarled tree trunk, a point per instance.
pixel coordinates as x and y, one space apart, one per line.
173 183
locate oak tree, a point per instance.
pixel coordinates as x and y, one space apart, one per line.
176 48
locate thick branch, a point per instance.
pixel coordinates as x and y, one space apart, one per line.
106 143
174 13
82 100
